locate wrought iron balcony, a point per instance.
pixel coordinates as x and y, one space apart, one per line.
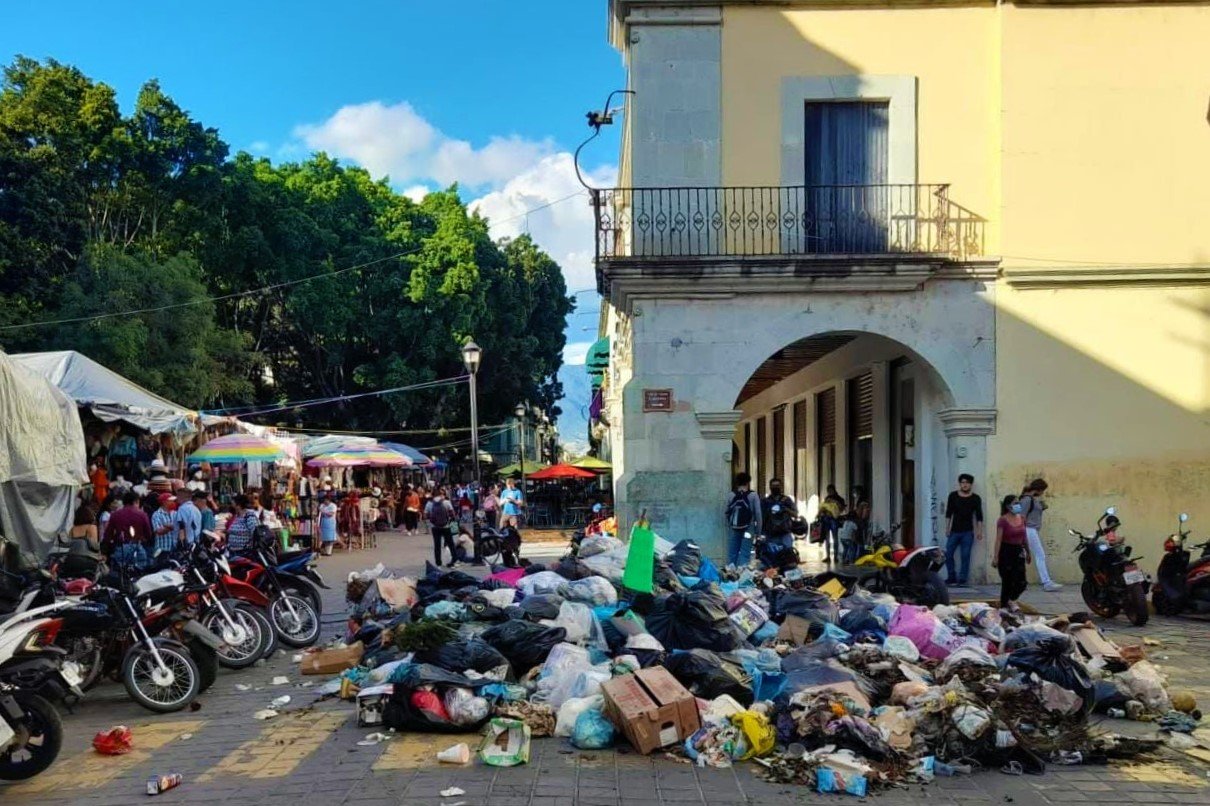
682 222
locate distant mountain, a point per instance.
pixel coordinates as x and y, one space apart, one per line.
577 394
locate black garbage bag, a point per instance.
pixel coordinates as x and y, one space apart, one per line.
468 653
483 610
572 569
615 639
493 584
685 559
535 568
708 675
524 643
664 577
1051 659
695 619
1109 694
648 657
541 606
448 579
803 674
401 714
813 605
856 622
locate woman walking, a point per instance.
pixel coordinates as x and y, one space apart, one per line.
411 511
327 523
1033 504
1011 553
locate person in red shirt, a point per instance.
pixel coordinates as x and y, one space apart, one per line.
128 533
1011 553
99 480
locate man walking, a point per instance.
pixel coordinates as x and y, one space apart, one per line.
511 503
777 516
440 514
162 525
1033 504
743 515
188 520
963 526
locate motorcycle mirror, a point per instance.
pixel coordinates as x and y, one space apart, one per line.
1184 517
1111 511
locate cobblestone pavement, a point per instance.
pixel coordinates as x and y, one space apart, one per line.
310 755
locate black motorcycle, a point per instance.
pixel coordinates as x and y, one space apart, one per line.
1181 583
1113 582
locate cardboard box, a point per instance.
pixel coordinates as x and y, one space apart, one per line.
651 708
796 630
1093 644
332 661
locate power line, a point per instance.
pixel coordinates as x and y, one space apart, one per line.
291 406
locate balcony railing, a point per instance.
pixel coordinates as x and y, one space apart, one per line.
805 220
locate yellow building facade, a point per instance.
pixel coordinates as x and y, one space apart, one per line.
1016 284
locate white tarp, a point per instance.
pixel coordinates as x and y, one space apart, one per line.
107 394
42 459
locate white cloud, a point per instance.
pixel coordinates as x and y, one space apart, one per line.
563 226
577 353
416 192
398 142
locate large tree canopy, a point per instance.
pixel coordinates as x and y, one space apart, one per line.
101 213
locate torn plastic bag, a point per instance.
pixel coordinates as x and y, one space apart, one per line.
570 711
1030 635
579 625
464 708
708 675
695 619
594 590
401 713
1051 659
541 606
685 559
524 643
541 582
592 731
463 654
964 656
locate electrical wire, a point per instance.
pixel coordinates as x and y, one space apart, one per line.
292 406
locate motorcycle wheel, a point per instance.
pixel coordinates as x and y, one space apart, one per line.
1136 605
1163 605
266 627
936 592
1103 609
138 676
39 739
243 655
207 660
88 652
305 590
296 632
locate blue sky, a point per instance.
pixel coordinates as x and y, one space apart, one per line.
488 93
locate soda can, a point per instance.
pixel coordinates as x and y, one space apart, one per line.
162 783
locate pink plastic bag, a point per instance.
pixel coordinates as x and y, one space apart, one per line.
930 635
509 576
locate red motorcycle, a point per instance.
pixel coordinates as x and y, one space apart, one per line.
291 607
237 597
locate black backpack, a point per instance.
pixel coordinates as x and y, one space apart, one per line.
780 519
440 516
739 511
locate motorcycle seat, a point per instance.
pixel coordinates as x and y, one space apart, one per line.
284 557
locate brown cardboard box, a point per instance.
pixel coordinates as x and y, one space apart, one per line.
332 661
1093 644
651 708
795 629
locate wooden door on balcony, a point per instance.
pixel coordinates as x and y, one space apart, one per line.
847 196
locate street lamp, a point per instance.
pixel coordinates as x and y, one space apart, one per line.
520 411
471 354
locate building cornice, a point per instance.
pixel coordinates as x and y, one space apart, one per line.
968 422
1108 276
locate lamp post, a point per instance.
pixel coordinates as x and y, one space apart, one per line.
471 355
520 411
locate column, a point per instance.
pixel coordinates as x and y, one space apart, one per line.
966 432
880 496
717 429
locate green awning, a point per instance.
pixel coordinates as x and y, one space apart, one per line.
597 360
531 466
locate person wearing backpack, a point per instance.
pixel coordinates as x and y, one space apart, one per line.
778 514
743 514
440 514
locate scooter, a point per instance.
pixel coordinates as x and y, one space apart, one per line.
1112 582
1181 585
910 575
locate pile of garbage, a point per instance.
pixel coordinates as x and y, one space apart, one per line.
820 682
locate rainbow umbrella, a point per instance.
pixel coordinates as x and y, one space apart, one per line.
361 456
236 448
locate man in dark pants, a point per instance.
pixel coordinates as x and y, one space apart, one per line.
440 514
963 525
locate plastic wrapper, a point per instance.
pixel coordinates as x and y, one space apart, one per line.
524 643
114 742
464 708
708 675
829 780
541 582
1051 660
570 711
760 736
430 704
592 731
505 743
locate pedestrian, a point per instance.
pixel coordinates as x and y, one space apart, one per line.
241 527
963 526
491 506
830 512
99 480
743 513
1033 504
411 510
440 514
188 520
849 538
110 506
84 528
206 506
778 512
162 524
512 501
327 522
127 533
1011 553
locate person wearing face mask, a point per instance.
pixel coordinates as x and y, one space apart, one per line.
777 515
1011 553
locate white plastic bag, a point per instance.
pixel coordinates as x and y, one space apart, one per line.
1146 683
464 707
569 711
582 627
609 564
501 597
541 582
595 591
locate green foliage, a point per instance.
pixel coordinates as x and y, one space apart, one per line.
103 213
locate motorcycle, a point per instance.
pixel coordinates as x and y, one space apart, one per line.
31 733
292 611
1182 585
1113 582
247 634
213 567
910 575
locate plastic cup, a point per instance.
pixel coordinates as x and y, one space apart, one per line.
458 754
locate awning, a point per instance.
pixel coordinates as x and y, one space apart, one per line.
597 360
107 394
416 456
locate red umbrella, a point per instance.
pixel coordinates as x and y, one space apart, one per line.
562 471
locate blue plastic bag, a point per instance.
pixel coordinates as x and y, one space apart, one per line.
828 780
592 731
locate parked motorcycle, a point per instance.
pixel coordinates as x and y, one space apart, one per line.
1113 582
245 629
910 575
292 609
1181 585
31 733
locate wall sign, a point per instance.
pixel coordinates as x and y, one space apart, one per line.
657 400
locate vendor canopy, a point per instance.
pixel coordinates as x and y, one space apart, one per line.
107 394
42 459
360 456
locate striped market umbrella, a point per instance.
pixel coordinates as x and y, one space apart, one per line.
234 449
361 456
